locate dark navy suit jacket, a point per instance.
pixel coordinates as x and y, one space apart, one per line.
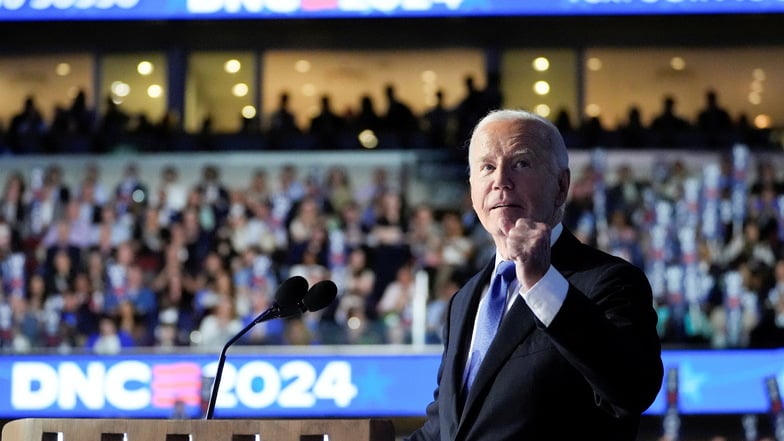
587 376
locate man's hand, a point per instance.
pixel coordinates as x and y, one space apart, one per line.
528 244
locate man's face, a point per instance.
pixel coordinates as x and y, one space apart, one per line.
513 175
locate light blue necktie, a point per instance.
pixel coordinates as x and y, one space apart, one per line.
489 317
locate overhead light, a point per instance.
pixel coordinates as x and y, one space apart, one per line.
541 64
542 87
144 68
542 110
593 110
368 139
762 121
248 112
62 69
155 91
239 90
677 63
594 64
302 66
232 66
429 76
120 89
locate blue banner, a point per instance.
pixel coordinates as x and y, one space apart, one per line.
63 10
148 386
302 386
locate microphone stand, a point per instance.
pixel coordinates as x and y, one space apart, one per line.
318 297
266 315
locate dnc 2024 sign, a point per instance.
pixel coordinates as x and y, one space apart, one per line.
304 385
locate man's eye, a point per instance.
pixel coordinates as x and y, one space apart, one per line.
522 164
487 167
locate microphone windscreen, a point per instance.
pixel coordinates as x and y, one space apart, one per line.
320 295
291 291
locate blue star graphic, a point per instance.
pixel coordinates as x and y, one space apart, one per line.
372 386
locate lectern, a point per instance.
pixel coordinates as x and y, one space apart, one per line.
75 429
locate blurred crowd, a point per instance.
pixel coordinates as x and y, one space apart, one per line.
170 263
79 128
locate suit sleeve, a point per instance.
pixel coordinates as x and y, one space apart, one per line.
606 328
430 431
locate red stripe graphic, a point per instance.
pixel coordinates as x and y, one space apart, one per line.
176 381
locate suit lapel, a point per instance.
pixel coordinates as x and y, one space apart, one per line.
462 318
516 326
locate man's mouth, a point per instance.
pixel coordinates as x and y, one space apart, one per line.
504 206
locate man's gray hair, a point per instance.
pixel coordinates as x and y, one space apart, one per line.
551 133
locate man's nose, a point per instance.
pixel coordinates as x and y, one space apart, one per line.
502 178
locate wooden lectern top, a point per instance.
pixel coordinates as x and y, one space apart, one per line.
76 429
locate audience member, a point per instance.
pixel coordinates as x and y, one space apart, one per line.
110 339
668 125
367 118
111 127
468 110
219 325
282 123
12 203
399 121
327 125
395 306
633 132
357 287
27 129
214 196
714 121
437 123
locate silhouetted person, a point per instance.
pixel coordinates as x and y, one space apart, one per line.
399 119
81 117
633 130
27 129
59 130
282 122
468 111
143 125
112 127
436 123
492 98
249 125
713 121
163 135
563 121
668 125
206 140
592 132
746 133
327 125
367 118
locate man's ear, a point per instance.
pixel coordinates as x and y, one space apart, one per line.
564 179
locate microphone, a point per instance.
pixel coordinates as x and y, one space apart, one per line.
288 299
319 296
